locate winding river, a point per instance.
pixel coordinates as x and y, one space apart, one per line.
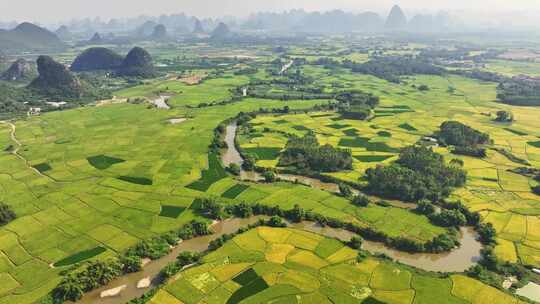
152 269
457 260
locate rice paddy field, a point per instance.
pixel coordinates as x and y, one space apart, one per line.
283 265
404 117
90 182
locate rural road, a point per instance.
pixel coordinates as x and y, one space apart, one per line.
19 145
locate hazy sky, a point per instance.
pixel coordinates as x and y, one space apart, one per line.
55 10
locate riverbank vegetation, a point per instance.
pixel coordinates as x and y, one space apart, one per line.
268 264
80 204
419 173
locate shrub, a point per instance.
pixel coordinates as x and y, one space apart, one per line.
504 116
234 169
345 190
355 242
306 153
457 134
6 214
269 176
361 200
536 190
425 207
449 218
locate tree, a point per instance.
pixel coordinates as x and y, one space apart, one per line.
487 233
458 134
355 242
269 176
199 227
6 214
419 173
425 207
297 214
276 221
345 190
234 169
536 190
423 87
442 243
504 116
489 260
449 218
305 153
249 163
131 263
242 210
211 208
69 289
187 258
361 200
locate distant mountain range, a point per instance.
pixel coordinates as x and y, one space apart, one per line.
29 37
32 38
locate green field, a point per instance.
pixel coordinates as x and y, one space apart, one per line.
281 265
96 180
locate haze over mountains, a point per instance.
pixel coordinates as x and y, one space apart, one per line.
397 19
33 38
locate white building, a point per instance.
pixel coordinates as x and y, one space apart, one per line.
57 104
34 111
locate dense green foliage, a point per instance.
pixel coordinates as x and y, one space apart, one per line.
217 210
449 218
183 259
466 140
519 92
6 214
504 116
94 274
55 80
392 68
138 63
97 58
457 134
20 71
11 103
418 174
306 153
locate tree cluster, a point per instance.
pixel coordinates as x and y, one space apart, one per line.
94 274
519 92
305 153
504 116
419 173
392 68
466 140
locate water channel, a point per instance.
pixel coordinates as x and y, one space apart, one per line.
457 260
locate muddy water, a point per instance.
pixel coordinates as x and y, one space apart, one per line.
531 291
231 155
153 268
458 260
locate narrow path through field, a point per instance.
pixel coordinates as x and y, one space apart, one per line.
19 145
